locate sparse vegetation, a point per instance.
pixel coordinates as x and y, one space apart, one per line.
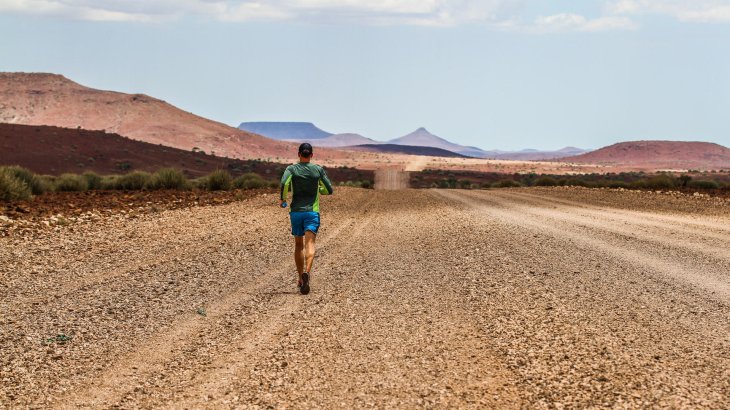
546 181
434 178
93 180
249 180
35 183
219 180
169 178
703 184
71 183
12 187
507 183
133 181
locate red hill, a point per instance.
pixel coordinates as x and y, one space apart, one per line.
54 150
50 99
659 155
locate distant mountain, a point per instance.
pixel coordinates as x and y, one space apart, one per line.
537 155
659 154
285 130
51 99
343 140
406 149
422 137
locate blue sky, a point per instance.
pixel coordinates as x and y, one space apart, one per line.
506 74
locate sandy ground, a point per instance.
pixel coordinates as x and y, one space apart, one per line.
526 298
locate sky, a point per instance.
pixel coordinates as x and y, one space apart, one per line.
497 74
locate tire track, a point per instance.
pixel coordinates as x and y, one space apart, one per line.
212 385
670 237
719 230
713 284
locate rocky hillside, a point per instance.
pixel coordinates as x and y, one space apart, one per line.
50 99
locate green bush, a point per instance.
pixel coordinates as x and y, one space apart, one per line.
366 183
659 182
34 182
250 181
109 182
617 184
199 183
578 182
93 180
48 182
219 180
71 183
546 181
169 178
133 181
12 187
464 184
703 184
506 183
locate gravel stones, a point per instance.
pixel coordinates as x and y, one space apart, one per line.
542 298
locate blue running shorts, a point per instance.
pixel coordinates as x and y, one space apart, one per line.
304 221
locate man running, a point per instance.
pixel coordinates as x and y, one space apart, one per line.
307 182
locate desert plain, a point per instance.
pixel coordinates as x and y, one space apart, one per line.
513 298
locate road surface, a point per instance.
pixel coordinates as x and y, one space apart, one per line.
433 298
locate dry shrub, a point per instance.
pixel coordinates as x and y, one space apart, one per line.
250 181
36 184
134 181
506 183
93 180
546 181
169 178
71 183
218 180
703 184
12 187
109 182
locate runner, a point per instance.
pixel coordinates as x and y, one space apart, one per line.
307 182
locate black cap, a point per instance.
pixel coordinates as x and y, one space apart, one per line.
305 150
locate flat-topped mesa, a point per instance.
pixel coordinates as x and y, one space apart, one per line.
285 130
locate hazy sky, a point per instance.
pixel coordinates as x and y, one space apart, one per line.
505 74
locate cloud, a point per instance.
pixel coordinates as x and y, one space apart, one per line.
416 12
699 11
575 22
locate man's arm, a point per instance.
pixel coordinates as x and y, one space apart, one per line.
325 186
285 185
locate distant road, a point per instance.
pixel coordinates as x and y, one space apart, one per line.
529 298
391 179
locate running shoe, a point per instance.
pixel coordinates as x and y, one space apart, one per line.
304 289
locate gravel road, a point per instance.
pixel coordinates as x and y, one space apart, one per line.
519 298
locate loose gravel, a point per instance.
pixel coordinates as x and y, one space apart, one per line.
518 298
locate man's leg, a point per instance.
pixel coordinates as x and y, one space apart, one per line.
309 239
299 256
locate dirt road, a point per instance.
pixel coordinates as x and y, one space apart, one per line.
443 298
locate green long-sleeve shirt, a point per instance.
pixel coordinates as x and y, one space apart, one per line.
307 182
